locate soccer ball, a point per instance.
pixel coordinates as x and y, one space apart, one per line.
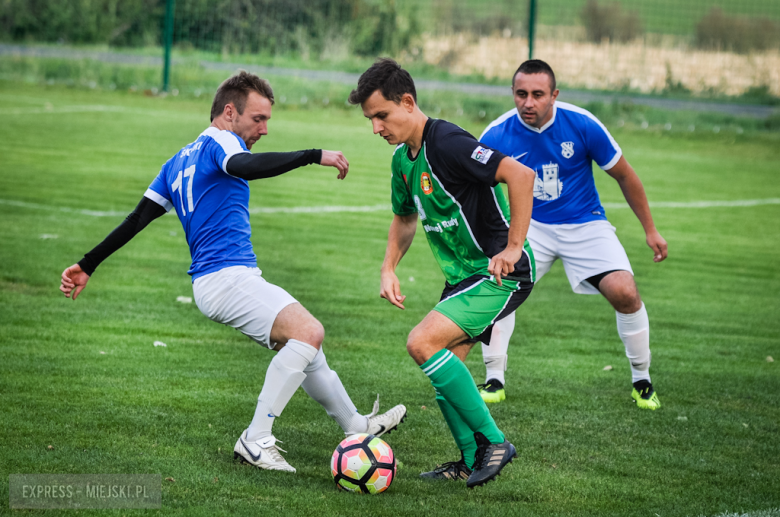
363 463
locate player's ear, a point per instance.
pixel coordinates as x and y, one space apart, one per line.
229 111
555 94
407 101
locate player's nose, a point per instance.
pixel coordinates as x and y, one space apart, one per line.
377 126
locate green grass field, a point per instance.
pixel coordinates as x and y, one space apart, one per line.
84 377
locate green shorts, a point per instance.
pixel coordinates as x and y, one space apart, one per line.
477 302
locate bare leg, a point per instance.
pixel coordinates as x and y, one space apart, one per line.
620 290
295 322
462 349
436 332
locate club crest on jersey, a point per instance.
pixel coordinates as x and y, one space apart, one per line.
567 149
481 154
420 210
425 183
548 187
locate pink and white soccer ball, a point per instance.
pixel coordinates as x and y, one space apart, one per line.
363 463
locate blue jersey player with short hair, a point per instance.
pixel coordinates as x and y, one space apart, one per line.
559 141
206 182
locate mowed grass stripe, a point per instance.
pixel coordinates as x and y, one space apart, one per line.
386 208
584 448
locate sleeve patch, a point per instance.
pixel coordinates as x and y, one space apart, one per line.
481 154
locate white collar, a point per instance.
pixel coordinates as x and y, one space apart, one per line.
539 129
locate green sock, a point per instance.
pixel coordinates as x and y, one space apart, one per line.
453 382
464 436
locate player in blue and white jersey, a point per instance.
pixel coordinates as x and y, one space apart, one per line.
206 184
559 141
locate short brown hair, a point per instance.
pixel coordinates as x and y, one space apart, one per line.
389 78
236 89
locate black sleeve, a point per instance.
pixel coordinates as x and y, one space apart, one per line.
250 166
146 212
467 158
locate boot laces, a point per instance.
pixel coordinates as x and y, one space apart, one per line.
374 411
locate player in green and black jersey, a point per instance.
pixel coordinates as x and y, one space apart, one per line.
446 178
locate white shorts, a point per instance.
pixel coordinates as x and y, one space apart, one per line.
240 297
586 250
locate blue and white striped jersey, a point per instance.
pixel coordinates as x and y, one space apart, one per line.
212 205
560 153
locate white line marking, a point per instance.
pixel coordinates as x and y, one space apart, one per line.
318 209
255 210
380 208
702 204
36 206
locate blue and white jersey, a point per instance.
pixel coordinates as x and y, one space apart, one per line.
212 205
560 153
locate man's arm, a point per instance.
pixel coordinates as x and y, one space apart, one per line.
635 195
75 278
519 180
250 166
399 238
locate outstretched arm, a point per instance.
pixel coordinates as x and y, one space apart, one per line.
250 166
75 278
400 237
635 195
519 180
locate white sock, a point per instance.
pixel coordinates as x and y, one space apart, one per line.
634 330
323 385
495 354
284 375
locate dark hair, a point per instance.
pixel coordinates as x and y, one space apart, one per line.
236 89
388 77
536 66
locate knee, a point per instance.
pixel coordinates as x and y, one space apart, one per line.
310 332
315 333
411 345
620 289
627 300
414 344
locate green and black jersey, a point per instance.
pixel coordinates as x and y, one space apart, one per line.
451 184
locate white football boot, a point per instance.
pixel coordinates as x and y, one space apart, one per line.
263 453
386 422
